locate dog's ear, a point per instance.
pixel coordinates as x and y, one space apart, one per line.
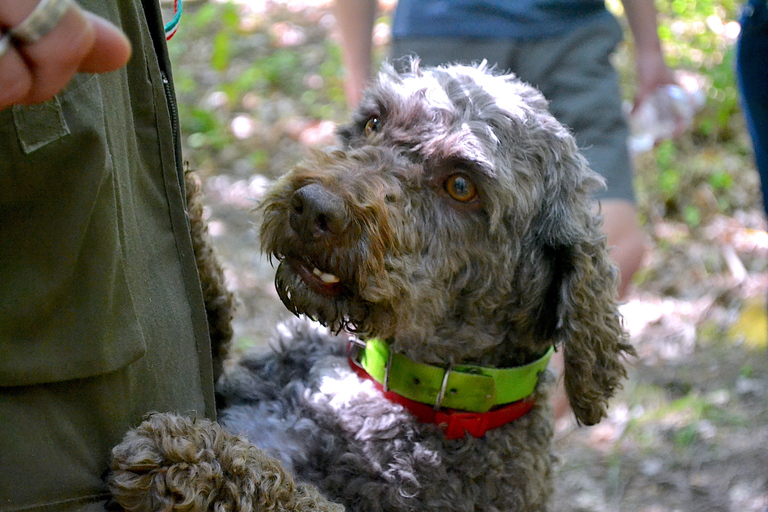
583 292
592 338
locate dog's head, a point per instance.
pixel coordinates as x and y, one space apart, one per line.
455 221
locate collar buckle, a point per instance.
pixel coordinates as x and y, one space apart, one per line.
354 349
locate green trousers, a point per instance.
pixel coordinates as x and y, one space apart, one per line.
101 312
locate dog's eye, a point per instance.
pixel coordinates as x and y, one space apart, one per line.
460 188
372 126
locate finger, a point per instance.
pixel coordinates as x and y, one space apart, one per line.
55 58
111 49
15 78
13 13
80 42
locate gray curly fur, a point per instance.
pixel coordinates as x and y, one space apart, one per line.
220 303
174 463
317 417
492 281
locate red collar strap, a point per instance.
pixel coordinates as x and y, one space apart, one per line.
454 423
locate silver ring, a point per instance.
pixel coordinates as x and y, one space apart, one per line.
40 21
5 42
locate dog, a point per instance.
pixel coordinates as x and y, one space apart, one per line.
443 252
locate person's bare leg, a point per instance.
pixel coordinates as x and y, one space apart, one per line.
626 240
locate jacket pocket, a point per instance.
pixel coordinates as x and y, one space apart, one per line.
66 309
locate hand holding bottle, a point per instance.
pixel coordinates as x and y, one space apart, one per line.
664 114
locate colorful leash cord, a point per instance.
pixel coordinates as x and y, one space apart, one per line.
171 26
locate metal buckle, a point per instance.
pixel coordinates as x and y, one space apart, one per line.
354 348
443 386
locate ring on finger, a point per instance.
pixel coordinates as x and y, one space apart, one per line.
5 42
40 21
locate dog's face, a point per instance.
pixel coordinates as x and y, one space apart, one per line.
454 222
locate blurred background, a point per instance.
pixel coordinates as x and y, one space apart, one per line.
260 83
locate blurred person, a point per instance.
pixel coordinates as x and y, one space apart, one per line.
752 76
101 314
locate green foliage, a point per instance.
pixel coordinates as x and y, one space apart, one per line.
205 16
232 62
206 129
723 99
222 51
721 180
685 436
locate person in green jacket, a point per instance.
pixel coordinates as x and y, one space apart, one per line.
101 313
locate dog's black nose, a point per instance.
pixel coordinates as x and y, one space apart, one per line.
317 212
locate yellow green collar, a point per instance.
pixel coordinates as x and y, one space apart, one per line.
463 387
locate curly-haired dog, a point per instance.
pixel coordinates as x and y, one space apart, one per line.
454 234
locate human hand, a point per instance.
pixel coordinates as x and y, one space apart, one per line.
33 71
652 73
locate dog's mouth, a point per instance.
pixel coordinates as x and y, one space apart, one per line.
320 281
310 289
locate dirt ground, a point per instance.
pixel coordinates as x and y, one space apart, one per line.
689 431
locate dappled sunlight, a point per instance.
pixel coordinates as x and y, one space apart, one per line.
667 325
751 324
287 34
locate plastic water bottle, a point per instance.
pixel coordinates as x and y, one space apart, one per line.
665 113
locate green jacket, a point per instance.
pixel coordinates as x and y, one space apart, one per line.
101 312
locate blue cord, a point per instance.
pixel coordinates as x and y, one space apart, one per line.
171 26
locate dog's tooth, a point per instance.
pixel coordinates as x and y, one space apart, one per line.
329 278
325 277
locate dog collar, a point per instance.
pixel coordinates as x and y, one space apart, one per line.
458 398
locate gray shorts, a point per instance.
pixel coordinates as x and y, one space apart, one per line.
574 72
